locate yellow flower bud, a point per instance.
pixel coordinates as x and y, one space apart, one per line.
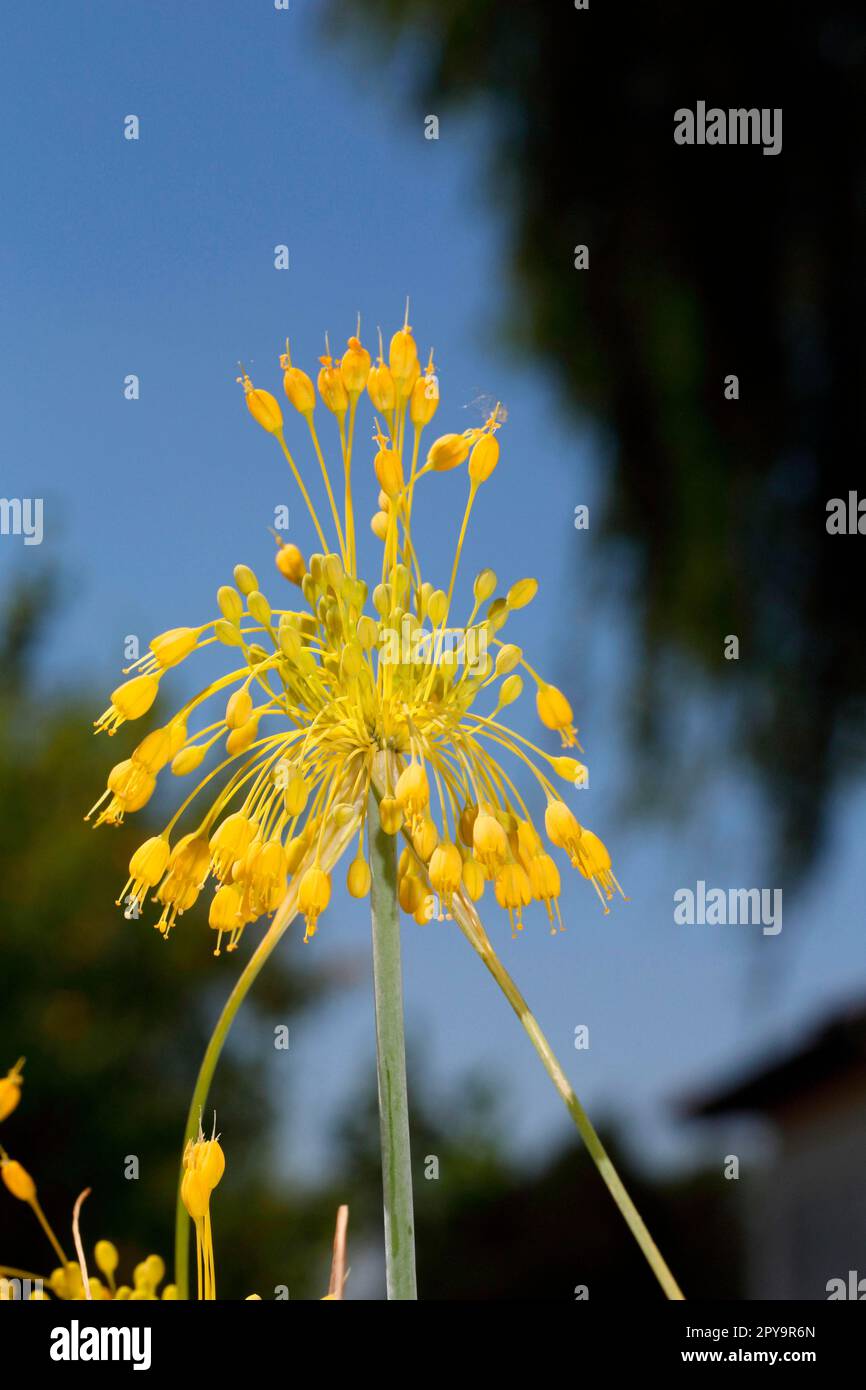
555 712
259 608
437 607
484 458
410 892
403 357
264 408
239 740
155 750
351 660
382 599
510 690
314 894
188 759
229 603
426 909
131 784
489 841
130 700
526 842
425 838
562 828
546 884
413 792
424 401
177 893
446 871
507 658
295 851
381 387
231 839
379 525
149 862
195 1194
106 1257
174 646
484 586
227 633
522 593
156 1269
210 1161
17 1180
513 892
300 390
295 795
358 878
390 815
245 579
389 471
297 385
290 563
239 707
473 879
571 770
593 860
355 367
448 451
188 862
331 387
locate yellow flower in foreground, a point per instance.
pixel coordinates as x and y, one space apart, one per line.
204 1165
363 684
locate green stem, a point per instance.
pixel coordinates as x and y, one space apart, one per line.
202 1086
283 918
391 1064
473 930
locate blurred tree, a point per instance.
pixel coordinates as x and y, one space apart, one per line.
113 1021
703 262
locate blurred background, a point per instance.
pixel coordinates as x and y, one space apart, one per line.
305 127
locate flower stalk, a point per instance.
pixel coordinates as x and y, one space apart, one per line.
347 718
391 1064
472 928
282 920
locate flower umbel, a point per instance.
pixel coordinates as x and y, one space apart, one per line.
354 684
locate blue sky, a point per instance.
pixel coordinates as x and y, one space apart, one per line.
155 257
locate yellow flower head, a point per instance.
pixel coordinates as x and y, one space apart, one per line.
349 687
